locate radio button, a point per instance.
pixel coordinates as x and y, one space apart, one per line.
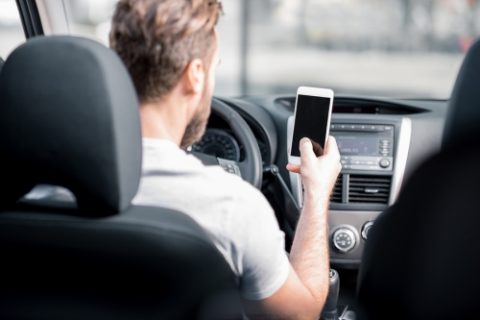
384 163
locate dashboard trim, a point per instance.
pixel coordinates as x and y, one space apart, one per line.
401 156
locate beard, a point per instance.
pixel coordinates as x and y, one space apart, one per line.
197 125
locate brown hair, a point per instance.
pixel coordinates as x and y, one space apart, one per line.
157 39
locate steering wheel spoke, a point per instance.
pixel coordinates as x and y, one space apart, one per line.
230 166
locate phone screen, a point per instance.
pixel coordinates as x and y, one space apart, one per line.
310 121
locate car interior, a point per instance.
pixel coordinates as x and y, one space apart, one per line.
402 216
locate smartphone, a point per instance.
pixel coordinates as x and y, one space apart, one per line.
313 112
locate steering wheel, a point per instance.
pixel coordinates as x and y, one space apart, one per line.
250 168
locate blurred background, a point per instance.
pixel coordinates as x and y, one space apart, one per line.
393 48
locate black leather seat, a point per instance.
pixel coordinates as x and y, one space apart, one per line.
422 259
1 64
69 118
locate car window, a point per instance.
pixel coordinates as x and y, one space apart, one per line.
91 18
11 31
394 48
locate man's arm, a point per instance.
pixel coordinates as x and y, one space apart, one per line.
305 290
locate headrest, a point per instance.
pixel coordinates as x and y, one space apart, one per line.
1 64
69 117
464 111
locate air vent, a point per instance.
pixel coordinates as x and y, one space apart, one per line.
338 190
369 189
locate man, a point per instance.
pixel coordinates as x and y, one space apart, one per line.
171 50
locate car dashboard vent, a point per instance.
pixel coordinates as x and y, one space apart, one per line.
369 189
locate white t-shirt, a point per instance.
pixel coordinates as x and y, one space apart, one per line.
239 218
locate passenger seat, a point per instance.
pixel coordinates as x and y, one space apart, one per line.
422 257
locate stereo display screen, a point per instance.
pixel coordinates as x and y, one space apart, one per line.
359 144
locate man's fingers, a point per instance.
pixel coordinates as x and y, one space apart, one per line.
293 168
317 148
331 144
306 155
309 152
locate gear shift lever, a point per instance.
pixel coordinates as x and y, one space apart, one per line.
330 309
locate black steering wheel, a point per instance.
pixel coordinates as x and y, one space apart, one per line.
251 166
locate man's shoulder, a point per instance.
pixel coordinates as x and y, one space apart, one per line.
167 164
232 183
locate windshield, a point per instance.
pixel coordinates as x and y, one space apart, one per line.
392 48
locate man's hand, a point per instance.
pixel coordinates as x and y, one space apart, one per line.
303 294
319 174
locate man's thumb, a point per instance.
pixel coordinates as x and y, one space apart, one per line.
306 150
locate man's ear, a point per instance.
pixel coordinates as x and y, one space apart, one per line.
194 77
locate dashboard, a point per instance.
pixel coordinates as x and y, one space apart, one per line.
381 142
219 143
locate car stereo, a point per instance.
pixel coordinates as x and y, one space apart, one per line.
365 146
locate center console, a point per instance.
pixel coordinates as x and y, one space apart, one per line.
373 155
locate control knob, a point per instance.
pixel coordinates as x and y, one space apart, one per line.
385 163
366 229
344 239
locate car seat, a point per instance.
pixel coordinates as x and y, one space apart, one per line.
69 117
422 257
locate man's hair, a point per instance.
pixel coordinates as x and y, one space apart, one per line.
157 39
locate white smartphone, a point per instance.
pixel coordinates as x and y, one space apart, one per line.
313 112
